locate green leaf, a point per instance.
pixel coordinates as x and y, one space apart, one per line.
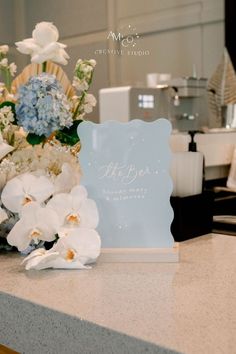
34 139
69 136
8 103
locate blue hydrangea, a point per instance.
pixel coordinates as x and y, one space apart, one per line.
42 106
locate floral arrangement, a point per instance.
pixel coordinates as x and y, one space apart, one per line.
44 211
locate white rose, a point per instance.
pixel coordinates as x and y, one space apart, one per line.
27 46
44 46
45 33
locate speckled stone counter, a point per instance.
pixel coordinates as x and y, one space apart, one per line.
189 307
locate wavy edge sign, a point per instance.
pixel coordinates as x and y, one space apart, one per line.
125 167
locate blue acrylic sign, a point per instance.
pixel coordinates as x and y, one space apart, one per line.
126 171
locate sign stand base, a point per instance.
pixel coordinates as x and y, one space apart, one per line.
140 255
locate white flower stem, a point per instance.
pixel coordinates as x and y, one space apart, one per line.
78 105
82 98
5 72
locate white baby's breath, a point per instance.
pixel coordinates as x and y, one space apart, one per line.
4 49
89 102
4 63
93 62
6 117
12 68
80 85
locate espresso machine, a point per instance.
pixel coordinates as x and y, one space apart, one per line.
188 107
182 100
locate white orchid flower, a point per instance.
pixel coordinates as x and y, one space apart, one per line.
37 223
43 45
40 259
24 189
75 209
3 215
80 244
4 148
80 247
67 179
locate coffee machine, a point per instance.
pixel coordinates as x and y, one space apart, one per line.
182 100
189 110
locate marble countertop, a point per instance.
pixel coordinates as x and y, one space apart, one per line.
188 306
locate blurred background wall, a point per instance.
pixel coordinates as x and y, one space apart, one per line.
173 35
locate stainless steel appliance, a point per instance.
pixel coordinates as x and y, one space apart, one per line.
183 101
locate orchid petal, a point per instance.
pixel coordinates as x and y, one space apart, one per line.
89 214
60 263
66 180
52 260
37 223
35 253
12 195
26 186
29 211
41 261
79 195
41 188
5 149
48 222
85 242
19 235
83 210
61 204
79 192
